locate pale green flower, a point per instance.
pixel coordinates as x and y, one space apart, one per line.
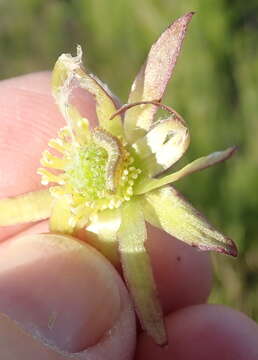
108 180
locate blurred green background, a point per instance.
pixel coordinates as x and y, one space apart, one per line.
214 87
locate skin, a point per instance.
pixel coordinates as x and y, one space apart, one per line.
54 288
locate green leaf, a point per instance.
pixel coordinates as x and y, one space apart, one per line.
138 272
167 209
33 206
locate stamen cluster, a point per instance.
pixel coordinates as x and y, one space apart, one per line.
96 175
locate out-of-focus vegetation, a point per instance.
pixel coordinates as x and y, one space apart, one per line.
214 87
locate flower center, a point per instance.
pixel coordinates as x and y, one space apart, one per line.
86 172
98 174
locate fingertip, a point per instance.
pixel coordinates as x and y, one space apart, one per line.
183 274
38 82
15 343
204 332
29 118
70 298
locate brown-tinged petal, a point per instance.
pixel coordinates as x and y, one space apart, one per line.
33 206
153 77
69 74
197 165
167 209
138 272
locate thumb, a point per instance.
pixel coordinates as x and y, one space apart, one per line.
60 299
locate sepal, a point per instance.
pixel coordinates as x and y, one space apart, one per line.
167 209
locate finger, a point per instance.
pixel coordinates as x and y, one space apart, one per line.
29 119
205 332
64 294
183 274
25 346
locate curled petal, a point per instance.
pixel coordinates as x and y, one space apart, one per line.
164 144
105 225
153 77
33 206
167 209
197 165
138 272
69 74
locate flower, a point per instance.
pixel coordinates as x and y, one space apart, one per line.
110 179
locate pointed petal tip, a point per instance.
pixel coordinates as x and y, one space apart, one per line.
191 13
229 248
232 150
187 17
179 25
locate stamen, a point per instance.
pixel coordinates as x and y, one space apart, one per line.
53 162
48 177
59 145
64 133
97 174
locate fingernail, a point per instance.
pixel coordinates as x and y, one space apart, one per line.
58 289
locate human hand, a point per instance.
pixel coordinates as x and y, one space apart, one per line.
63 293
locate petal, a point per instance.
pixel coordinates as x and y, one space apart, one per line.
153 77
62 220
197 165
69 74
33 206
164 144
167 209
105 225
138 272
